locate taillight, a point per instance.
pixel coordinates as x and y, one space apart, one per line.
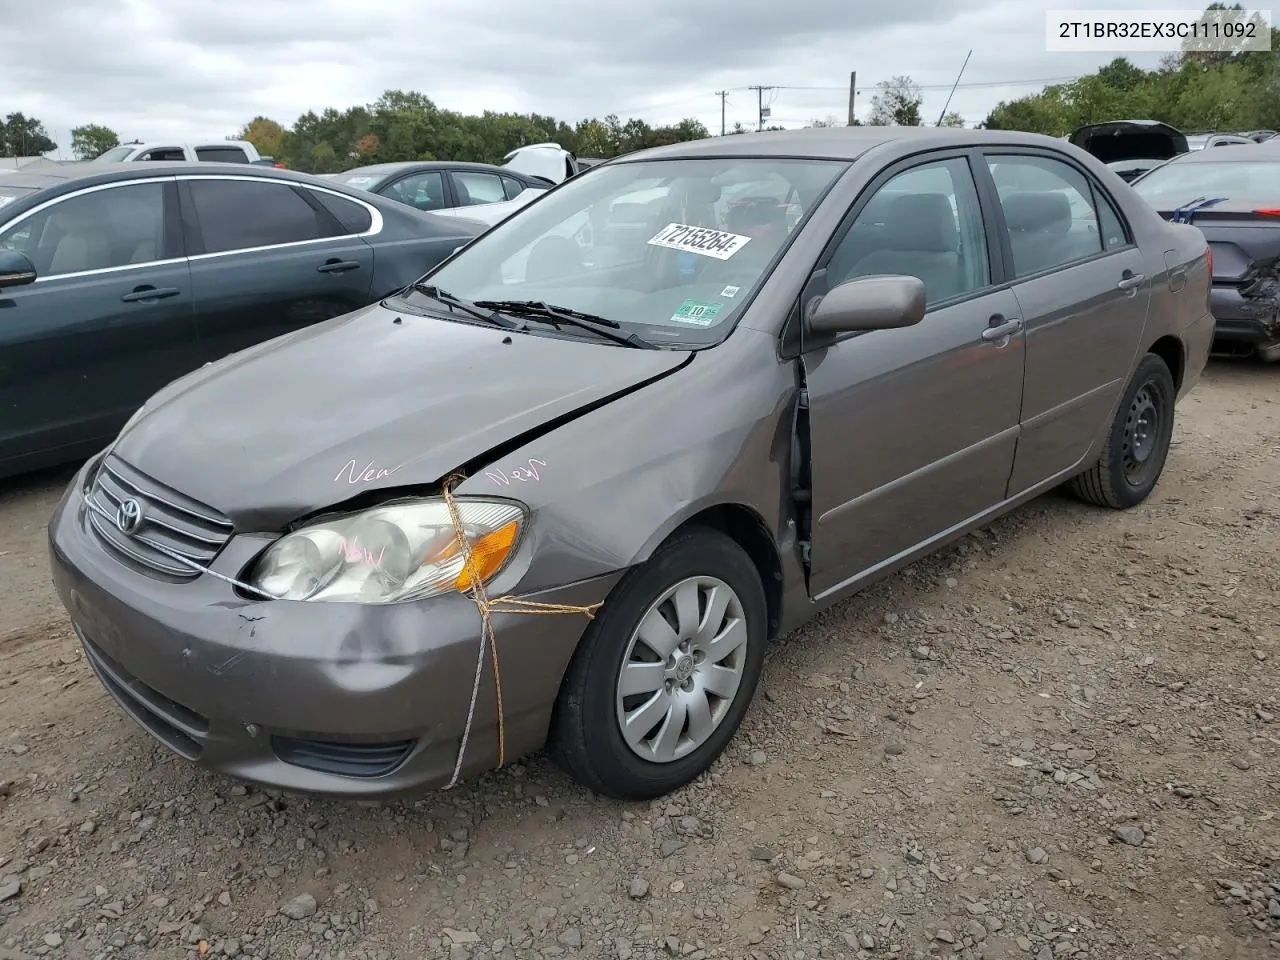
1268 212
280 166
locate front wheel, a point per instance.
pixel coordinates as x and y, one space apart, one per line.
665 673
1137 443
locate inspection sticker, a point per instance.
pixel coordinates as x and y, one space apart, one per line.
729 291
696 312
700 240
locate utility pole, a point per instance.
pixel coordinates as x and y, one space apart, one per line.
760 109
853 90
723 95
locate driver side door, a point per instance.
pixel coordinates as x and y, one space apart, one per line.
912 430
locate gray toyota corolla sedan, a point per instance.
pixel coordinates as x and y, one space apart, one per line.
676 407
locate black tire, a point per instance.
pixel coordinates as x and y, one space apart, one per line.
1120 479
585 737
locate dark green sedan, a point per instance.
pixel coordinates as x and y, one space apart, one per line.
113 284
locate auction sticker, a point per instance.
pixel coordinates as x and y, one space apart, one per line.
700 240
696 312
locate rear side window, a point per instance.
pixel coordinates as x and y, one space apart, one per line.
473 188
353 217
1048 211
1109 225
240 214
165 154
222 154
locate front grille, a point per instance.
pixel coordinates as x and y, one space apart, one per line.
175 537
343 759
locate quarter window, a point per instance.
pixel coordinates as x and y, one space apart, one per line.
1048 211
925 222
117 227
353 217
240 214
513 187
475 188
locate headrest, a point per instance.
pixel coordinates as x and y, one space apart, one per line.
702 191
747 216
1044 211
922 222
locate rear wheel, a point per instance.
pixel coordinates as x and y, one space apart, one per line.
1137 443
665 673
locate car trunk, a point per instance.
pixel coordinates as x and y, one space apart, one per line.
1122 140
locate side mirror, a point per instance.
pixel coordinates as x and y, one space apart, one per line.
869 303
15 269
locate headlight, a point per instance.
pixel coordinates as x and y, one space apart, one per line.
398 552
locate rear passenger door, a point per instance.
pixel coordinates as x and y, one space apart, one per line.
1083 292
269 257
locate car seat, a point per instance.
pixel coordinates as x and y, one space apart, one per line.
920 240
1039 224
83 243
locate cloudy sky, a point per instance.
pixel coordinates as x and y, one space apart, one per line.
169 69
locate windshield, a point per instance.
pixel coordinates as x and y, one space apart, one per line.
1244 181
114 155
670 250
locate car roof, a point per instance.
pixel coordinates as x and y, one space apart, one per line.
400 166
837 143
85 174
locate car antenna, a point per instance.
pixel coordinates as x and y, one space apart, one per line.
943 115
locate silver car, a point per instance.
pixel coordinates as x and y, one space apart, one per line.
639 450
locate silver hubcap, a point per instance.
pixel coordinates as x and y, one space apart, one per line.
682 669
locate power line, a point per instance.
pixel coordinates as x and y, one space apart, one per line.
946 86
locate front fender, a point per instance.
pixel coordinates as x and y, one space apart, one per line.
605 489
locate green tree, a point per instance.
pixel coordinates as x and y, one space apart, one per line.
897 104
265 134
23 136
92 140
952 119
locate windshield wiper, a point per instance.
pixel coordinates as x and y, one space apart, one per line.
537 310
470 309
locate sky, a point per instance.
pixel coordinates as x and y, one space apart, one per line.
182 69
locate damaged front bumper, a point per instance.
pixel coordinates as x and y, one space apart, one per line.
341 699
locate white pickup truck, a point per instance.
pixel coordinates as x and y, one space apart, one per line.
216 151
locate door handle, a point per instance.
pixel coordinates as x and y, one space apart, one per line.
1001 327
145 294
1131 281
338 266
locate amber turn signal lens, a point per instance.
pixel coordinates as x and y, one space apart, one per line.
488 554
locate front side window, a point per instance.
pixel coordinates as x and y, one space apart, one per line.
668 249
117 227
422 190
1048 211
475 188
926 223
240 214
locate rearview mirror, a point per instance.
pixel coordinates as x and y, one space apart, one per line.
15 269
869 303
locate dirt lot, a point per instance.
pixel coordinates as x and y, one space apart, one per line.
1055 740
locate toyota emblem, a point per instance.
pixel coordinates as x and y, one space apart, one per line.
129 516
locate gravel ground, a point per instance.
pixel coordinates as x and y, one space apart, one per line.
1054 740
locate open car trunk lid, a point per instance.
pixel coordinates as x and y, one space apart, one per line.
1118 140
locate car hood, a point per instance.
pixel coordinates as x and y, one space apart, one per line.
373 399
1130 140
